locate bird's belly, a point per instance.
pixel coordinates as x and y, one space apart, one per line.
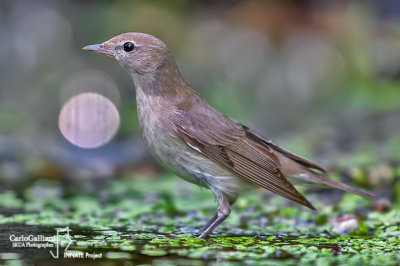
189 164
194 167
175 155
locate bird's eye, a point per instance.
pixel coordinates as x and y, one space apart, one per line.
128 46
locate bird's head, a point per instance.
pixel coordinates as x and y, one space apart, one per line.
138 53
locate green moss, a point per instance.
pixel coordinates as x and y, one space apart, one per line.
144 222
118 255
8 199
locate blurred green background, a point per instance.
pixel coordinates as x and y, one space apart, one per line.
321 78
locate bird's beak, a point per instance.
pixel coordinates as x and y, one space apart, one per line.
99 48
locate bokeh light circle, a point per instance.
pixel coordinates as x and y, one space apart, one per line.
88 120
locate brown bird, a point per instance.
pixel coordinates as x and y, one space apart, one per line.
199 144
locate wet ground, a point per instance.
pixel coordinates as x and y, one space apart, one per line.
155 220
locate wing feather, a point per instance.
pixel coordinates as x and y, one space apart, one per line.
233 146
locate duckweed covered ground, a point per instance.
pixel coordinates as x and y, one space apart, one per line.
142 220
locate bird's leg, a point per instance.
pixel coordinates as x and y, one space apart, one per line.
223 211
203 228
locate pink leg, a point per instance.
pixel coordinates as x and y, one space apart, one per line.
223 211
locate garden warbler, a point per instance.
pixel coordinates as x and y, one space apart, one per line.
199 144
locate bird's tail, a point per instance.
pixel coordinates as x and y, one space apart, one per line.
322 179
300 171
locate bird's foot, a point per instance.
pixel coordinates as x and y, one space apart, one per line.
203 236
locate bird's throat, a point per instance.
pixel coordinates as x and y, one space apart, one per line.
166 81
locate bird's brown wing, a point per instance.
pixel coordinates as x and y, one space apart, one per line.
235 147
